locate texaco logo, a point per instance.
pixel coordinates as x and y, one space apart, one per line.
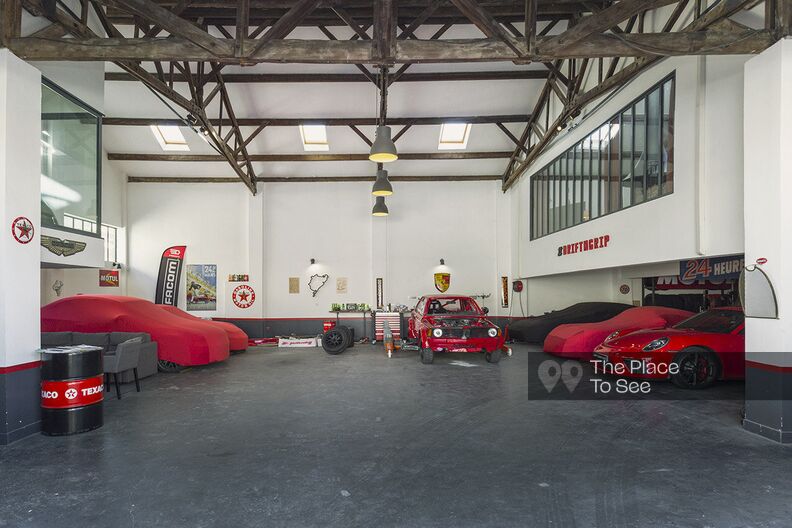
71 393
22 230
243 296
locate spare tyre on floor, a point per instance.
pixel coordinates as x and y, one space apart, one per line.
336 340
535 329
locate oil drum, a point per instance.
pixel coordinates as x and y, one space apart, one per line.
72 389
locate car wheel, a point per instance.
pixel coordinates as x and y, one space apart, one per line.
493 357
335 341
350 336
168 366
427 356
696 368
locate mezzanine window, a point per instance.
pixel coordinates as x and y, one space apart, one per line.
624 162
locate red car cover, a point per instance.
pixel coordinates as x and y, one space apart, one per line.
236 337
183 341
580 340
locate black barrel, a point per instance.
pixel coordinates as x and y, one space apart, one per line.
72 389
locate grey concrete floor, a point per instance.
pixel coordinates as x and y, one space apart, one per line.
298 438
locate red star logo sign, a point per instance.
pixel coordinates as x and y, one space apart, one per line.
22 230
243 296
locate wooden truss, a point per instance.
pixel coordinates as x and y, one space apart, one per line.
191 41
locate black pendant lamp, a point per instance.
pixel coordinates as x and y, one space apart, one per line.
380 209
383 150
382 186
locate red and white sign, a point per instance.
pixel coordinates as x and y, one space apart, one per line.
243 296
108 278
591 244
22 229
68 394
761 261
291 342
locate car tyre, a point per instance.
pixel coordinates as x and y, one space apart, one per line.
493 357
427 356
698 368
335 340
168 366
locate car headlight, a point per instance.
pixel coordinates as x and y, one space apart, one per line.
437 332
493 332
657 344
614 335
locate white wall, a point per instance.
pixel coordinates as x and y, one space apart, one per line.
701 217
274 235
211 220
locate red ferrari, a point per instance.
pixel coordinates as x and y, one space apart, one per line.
579 340
452 323
693 354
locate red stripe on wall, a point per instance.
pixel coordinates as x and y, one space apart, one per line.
326 318
22 366
767 367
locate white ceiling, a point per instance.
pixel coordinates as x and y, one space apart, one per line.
326 100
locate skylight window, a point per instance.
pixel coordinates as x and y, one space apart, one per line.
454 136
314 138
169 137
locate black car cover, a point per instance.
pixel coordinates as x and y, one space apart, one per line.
535 329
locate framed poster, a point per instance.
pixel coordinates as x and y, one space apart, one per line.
201 287
380 300
341 285
294 284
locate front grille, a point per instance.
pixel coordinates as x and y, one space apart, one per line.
479 331
465 333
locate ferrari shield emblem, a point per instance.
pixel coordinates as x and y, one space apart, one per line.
442 281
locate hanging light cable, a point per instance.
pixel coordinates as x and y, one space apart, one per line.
383 150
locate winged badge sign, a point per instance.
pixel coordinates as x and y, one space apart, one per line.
61 247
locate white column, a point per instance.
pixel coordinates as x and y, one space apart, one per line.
20 281
768 234
20 195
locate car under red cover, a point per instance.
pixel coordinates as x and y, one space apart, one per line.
454 323
579 340
693 354
237 339
181 341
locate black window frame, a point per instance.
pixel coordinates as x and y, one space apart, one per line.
658 86
99 157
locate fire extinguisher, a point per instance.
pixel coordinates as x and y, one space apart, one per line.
517 287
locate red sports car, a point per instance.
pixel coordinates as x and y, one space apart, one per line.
452 323
579 340
693 354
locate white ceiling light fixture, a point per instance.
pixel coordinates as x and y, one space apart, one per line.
314 138
454 136
169 137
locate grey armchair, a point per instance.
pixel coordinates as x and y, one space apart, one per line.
124 357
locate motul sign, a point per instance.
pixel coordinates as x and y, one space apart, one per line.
169 275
